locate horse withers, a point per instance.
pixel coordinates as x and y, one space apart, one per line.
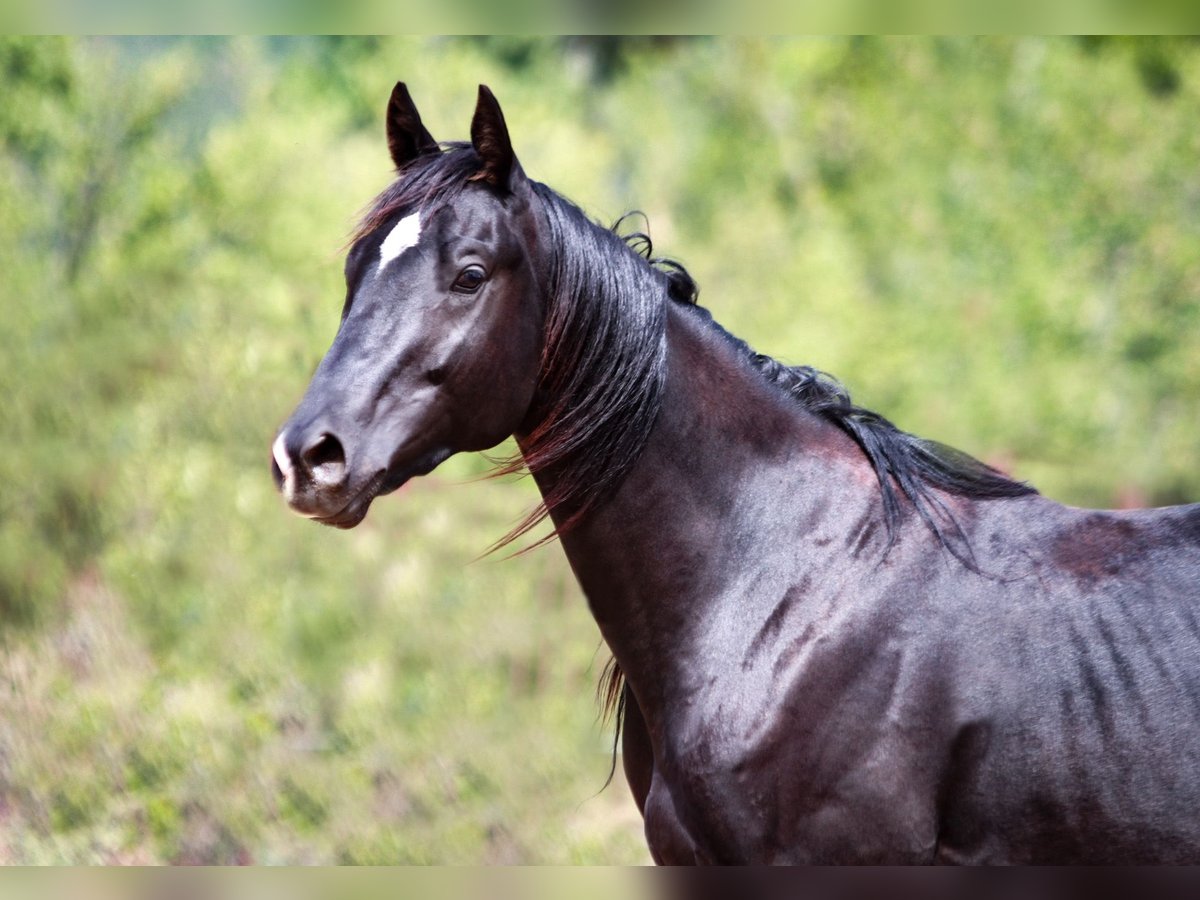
834 641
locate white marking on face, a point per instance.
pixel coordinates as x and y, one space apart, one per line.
279 451
406 234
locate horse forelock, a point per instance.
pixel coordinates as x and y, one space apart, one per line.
428 181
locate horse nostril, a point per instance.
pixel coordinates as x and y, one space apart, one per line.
325 459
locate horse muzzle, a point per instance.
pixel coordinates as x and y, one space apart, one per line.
310 469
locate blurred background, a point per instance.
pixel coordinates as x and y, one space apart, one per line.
995 243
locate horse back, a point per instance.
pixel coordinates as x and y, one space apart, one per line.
1076 690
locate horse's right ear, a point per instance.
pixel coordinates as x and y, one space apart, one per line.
406 136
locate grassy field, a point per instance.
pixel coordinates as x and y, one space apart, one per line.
996 243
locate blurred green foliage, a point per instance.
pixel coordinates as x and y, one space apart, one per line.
994 242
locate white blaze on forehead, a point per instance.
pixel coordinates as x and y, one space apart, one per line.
406 234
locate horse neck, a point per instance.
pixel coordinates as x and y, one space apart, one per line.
703 508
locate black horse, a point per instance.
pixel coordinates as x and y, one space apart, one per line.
839 642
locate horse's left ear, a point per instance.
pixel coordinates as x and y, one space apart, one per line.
489 137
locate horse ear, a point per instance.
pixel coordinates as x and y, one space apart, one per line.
406 136
489 137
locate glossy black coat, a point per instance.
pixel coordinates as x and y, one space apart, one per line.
804 683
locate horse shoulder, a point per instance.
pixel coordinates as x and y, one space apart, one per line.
821 734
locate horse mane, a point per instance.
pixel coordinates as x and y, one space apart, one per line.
604 367
426 182
603 363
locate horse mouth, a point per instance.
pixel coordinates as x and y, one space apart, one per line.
356 509
345 519
383 482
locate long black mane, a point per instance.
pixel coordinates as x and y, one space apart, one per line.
593 312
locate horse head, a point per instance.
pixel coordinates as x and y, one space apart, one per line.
438 350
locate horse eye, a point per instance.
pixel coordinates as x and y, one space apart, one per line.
469 280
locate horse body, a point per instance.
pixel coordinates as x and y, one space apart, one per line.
805 698
816 671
